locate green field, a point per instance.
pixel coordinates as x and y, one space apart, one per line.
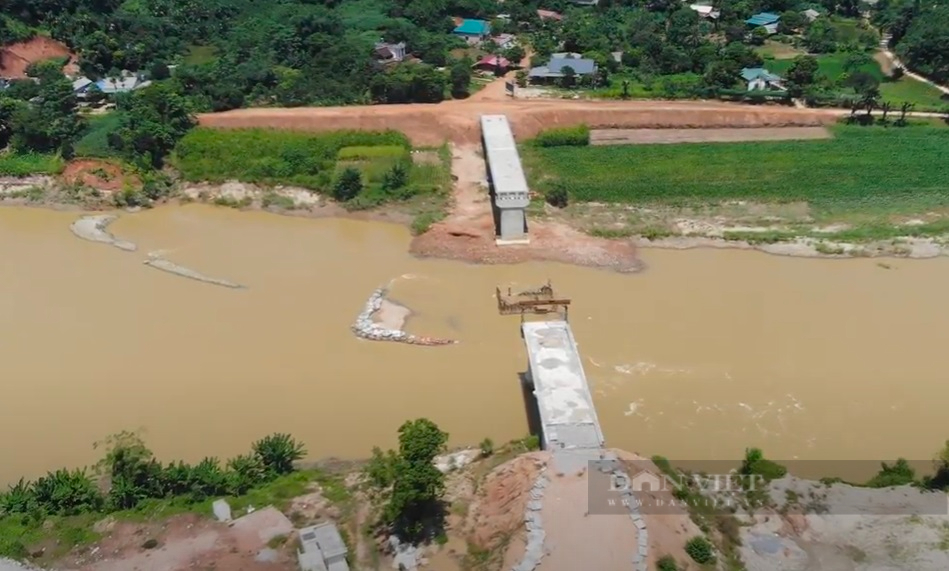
925 97
95 140
17 164
269 156
859 169
830 65
198 55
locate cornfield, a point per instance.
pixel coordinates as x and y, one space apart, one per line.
858 168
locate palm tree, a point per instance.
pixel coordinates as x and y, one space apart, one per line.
905 107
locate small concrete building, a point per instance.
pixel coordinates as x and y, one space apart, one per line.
322 549
506 177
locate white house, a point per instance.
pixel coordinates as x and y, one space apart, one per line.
760 79
705 11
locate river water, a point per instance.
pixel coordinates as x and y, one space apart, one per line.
701 355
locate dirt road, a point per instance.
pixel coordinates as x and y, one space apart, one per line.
457 121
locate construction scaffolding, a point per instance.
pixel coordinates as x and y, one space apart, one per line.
540 301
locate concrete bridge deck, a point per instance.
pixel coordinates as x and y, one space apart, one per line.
567 415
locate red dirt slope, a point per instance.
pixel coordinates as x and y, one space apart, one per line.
15 58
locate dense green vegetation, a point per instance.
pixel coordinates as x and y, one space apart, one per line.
359 168
578 136
408 483
271 156
858 168
134 479
14 164
920 34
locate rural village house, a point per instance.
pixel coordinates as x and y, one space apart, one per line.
386 52
765 20
811 14
126 82
493 64
706 11
760 79
473 31
549 15
554 69
504 41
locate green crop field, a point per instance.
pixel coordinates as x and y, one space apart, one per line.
270 156
859 169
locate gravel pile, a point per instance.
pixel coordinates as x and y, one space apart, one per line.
366 328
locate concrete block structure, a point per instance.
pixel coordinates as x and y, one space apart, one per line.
322 549
506 177
567 415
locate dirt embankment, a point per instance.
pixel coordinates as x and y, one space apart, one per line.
457 121
15 58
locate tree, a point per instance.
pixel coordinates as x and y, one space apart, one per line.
869 99
460 78
905 108
886 107
153 120
925 47
395 178
278 452
801 75
347 185
569 78
51 121
722 74
791 21
414 505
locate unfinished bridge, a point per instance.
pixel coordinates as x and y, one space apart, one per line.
568 420
570 430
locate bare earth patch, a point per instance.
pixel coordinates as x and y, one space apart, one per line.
15 58
101 175
725 135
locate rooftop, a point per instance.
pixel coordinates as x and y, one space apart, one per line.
763 19
322 540
751 73
473 28
494 61
504 163
563 396
580 66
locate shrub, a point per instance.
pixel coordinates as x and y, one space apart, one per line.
898 474
557 196
756 464
18 499
700 550
487 447
278 452
67 493
578 136
347 185
667 563
25 164
368 153
396 177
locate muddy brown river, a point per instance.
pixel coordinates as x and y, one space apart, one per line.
701 355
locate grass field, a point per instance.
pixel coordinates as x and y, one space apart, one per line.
830 65
270 156
198 55
95 140
859 169
925 97
16 164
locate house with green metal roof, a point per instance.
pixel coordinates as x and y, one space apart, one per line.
766 20
473 31
758 79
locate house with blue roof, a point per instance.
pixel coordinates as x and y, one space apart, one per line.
473 31
767 20
760 79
